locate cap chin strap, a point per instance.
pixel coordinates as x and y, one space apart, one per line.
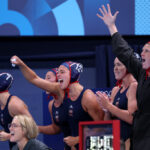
67 89
3 91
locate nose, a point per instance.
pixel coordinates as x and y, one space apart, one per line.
115 67
58 74
10 128
142 53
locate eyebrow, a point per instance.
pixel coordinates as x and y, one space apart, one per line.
145 50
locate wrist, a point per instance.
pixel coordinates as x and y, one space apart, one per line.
8 136
112 29
77 139
108 106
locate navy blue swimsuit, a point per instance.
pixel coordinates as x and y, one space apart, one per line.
60 118
121 102
76 114
6 119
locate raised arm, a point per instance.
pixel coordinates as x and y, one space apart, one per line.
108 18
33 78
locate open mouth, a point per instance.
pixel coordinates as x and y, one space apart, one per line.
12 134
143 60
60 80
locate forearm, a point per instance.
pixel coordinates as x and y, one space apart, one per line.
120 113
77 139
4 136
29 74
8 136
107 116
49 129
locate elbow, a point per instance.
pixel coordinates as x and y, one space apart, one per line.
33 79
130 121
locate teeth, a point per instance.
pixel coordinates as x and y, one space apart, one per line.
60 80
12 133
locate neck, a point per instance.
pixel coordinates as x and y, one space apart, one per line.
128 80
75 90
21 144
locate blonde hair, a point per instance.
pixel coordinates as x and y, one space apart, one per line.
28 125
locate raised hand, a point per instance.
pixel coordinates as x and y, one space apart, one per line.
108 18
16 60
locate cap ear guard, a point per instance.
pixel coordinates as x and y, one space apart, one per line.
76 69
6 80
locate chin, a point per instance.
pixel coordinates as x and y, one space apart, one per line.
117 78
12 140
144 67
62 87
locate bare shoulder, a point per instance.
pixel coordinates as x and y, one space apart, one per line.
132 88
133 84
50 105
16 106
89 98
15 100
88 94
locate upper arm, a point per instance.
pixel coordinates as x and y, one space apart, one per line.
50 107
90 104
17 106
131 95
50 110
55 127
51 87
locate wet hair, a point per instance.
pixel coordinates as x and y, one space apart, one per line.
6 80
75 70
28 125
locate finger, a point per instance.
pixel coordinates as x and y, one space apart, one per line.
101 11
104 9
65 139
99 16
116 13
104 94
108 7
98 93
